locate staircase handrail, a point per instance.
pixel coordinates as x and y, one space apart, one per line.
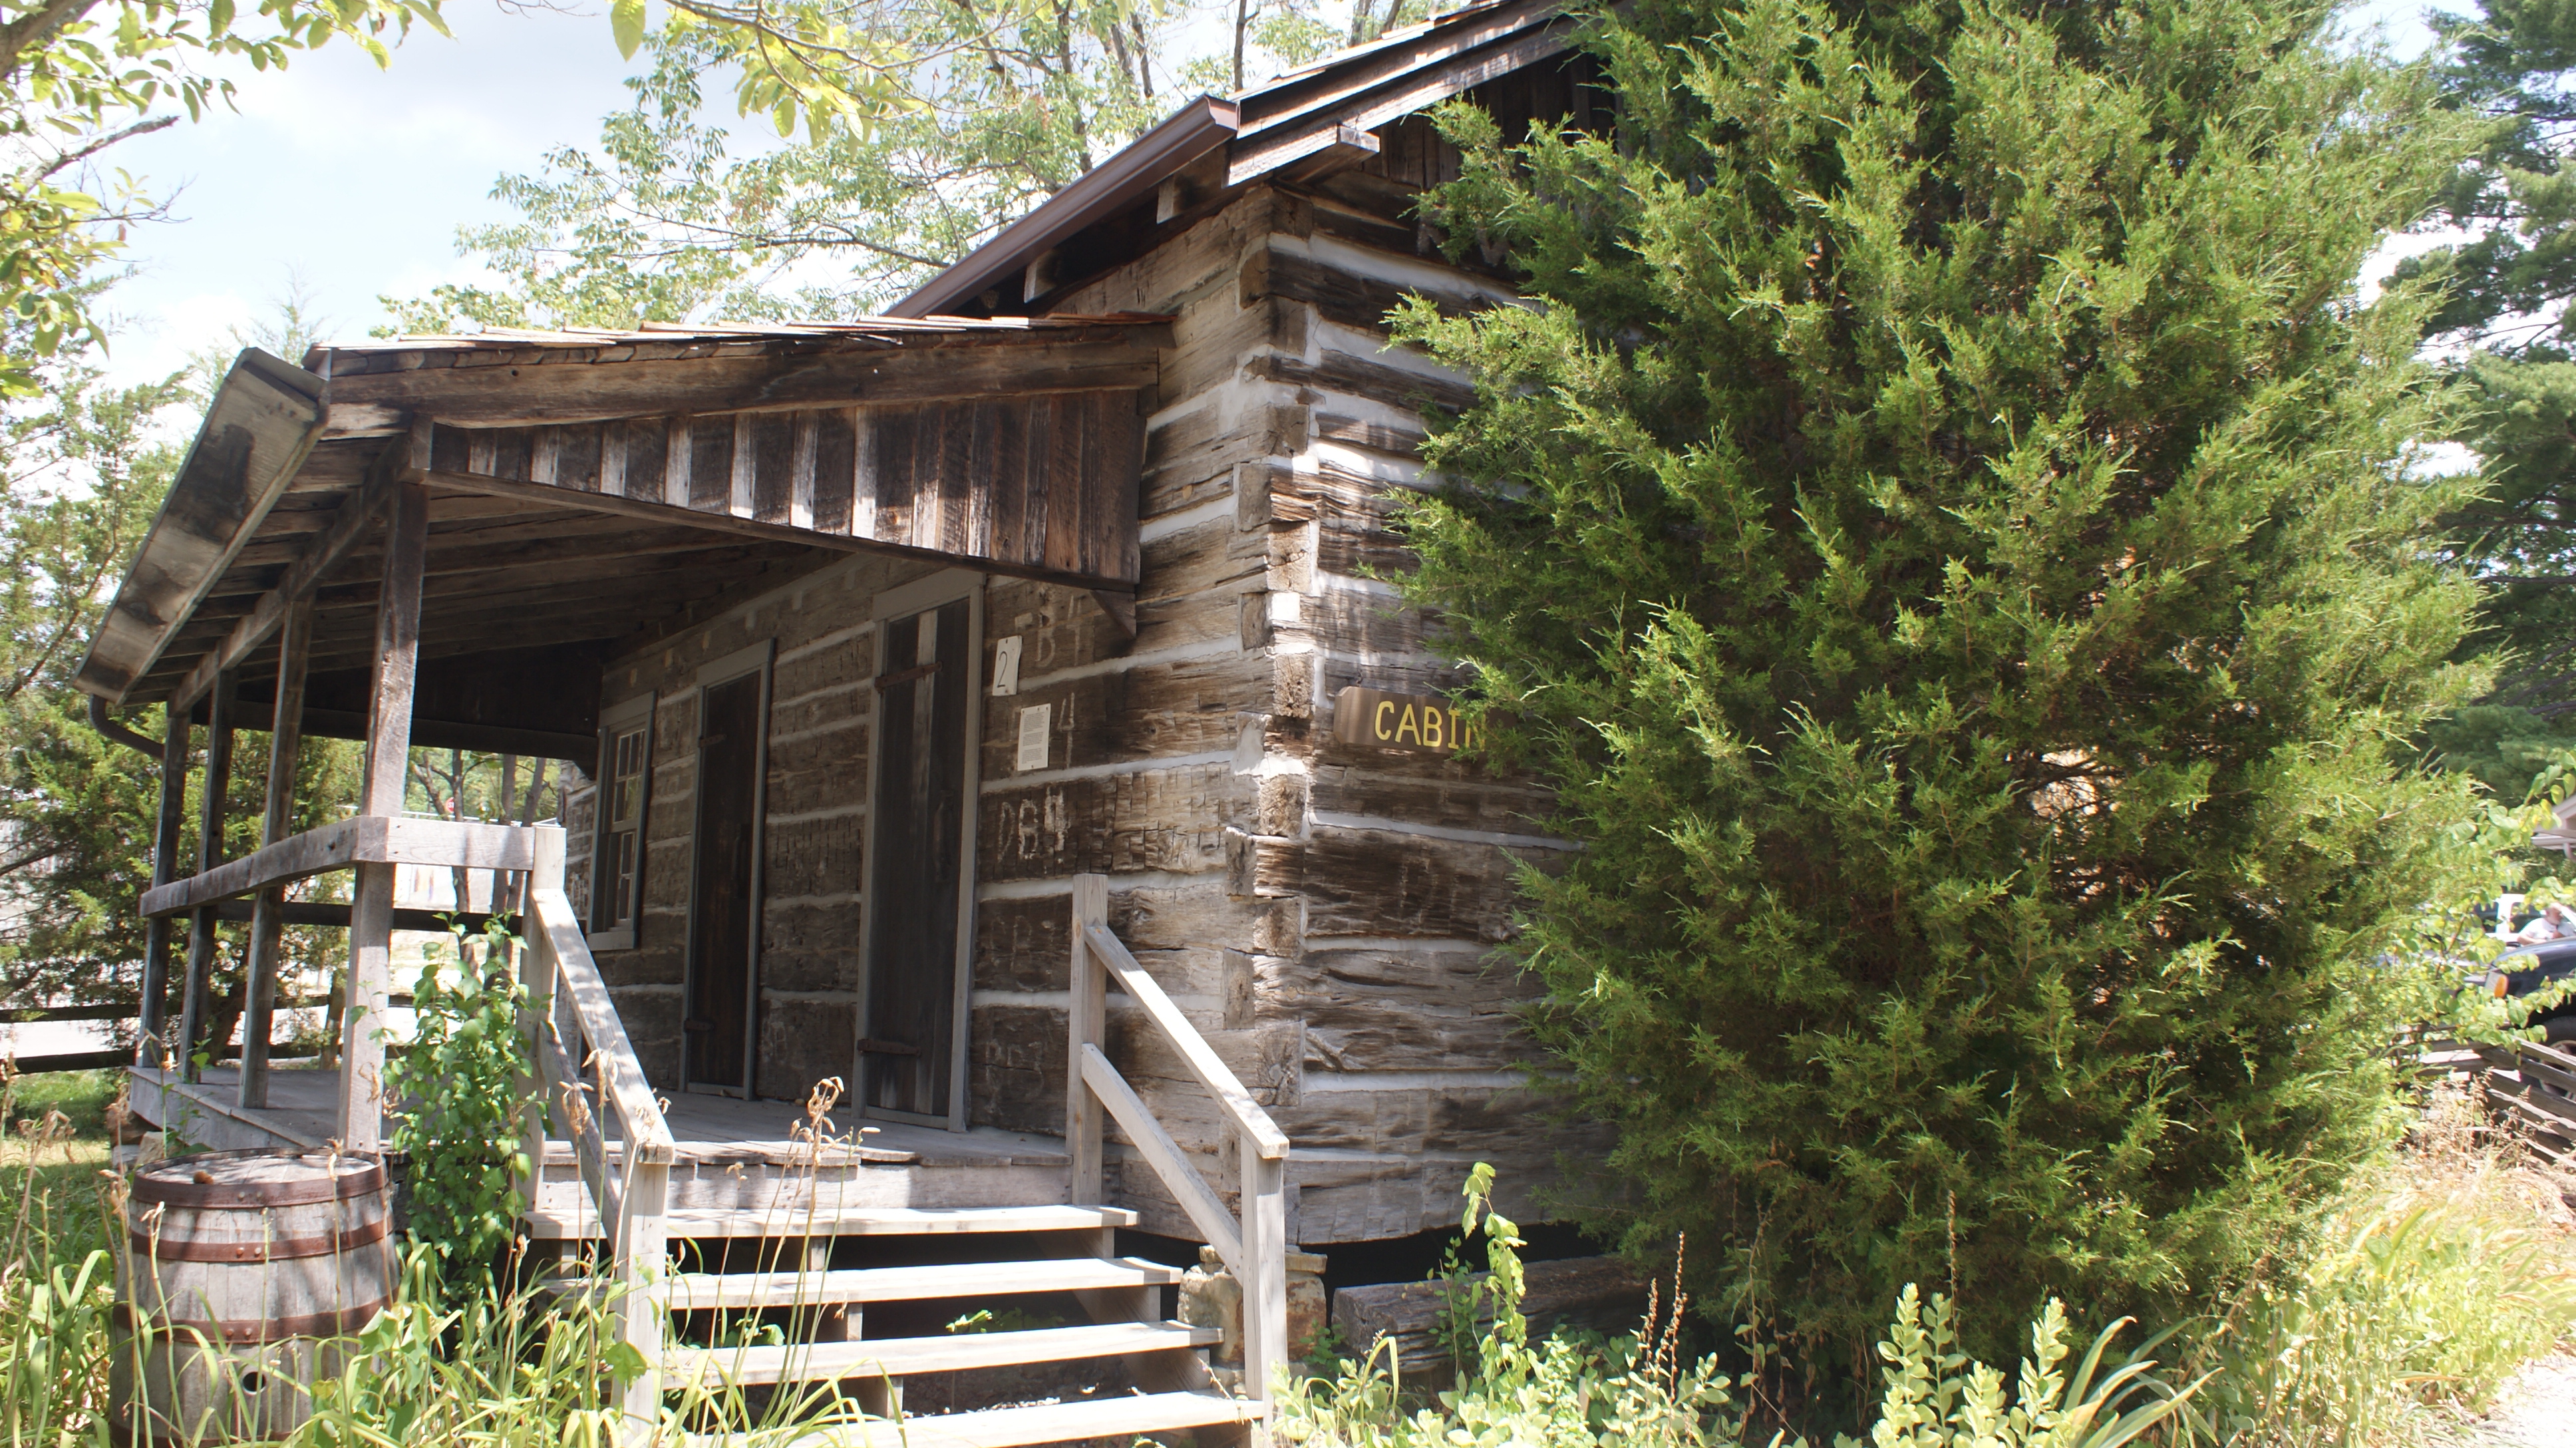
572 1031
1253 1244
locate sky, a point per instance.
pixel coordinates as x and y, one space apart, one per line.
348 182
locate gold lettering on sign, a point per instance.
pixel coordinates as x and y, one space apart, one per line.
1373 718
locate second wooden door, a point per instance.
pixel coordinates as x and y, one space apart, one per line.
917 876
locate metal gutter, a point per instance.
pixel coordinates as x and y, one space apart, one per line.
1153 158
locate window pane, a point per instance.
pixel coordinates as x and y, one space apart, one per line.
622 898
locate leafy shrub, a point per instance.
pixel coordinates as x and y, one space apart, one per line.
457 1087
1640 1393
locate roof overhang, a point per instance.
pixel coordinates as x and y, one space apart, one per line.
1102 192
262 424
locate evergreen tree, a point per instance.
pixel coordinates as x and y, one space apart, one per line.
1951 534
2510 66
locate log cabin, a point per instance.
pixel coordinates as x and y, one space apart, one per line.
999 706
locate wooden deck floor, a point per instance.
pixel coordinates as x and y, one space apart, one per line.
715 1131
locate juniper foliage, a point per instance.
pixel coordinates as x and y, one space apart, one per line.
1948 528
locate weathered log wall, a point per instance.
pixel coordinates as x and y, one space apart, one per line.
1324 913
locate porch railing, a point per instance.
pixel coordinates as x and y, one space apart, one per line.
1253 1243
586 1075
374 846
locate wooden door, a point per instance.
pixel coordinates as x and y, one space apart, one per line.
724 905
917 889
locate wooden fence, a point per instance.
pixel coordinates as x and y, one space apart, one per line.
2533 1086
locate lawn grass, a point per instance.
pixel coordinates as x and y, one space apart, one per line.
81 1096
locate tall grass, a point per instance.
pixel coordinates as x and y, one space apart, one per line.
2452 1265
57 1280
2432 1281
498 1368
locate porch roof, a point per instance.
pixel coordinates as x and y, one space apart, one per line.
588 487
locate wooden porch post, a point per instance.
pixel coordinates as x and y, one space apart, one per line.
267 922
165 868
210 853
380 792
1088 1022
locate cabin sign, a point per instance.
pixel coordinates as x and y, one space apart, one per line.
1375 718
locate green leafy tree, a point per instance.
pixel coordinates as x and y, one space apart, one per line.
662 221
1951 534
87 466
78 77
83 481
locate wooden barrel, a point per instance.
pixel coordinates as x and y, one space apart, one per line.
242 1268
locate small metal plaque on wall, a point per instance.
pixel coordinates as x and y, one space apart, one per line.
1373 718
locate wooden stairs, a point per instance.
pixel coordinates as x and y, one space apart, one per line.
756 1269
773 1268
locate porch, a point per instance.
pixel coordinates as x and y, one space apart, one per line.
708 1132
727 1153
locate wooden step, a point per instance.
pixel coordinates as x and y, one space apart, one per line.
896 1357
701 1291
1114 1418
828 1221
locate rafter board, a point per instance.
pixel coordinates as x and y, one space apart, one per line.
1412 92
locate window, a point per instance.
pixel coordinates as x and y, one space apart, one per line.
625 777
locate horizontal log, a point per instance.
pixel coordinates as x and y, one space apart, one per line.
1350 376
30 1015
1377 1009
1131 715
1458 802
1337 294
1599 1294
69 1061
1159 819
367 839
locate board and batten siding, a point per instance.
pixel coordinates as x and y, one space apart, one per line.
1325 914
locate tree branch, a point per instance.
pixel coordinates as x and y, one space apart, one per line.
33 29
139 128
